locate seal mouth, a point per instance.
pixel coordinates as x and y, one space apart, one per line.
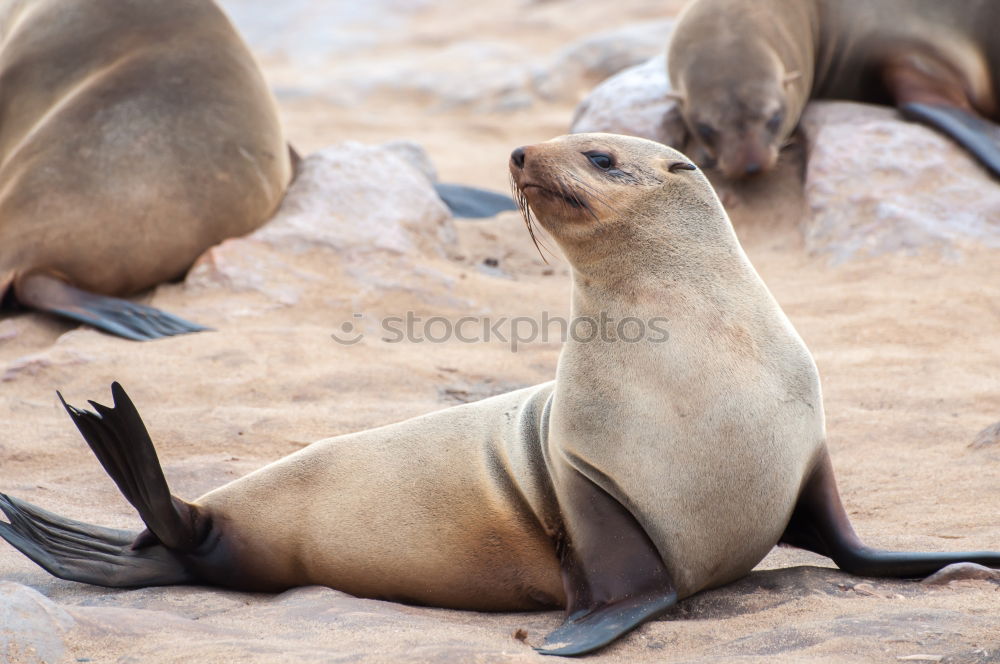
555 189
569 197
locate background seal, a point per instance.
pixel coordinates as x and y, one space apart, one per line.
743 71
133 136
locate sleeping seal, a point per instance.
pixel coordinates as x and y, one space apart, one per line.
743 71
133 136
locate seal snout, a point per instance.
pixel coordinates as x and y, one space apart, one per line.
517 157
748 158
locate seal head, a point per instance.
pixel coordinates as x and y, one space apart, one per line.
577 188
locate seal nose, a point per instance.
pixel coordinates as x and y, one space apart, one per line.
517 156
752 168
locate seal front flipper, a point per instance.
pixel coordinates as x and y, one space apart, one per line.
472 202
820 524
111 314
977 135
613 575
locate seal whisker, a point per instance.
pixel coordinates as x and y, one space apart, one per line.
573 197
592 194
522 204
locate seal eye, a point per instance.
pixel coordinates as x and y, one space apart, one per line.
774 124
706 133
600 159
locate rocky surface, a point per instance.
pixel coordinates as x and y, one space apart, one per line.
905 343
632 102
876 183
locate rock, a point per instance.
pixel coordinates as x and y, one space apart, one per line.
9 329
413 154
358 199
877 184
371 212
962 572
443 79
988 437
632 102
243 265
506 77
36 363
592 59
308 34
32 627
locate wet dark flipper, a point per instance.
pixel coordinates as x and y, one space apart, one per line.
596 629
78 551
121 443
820 524
977 135
110 314
82 552
472 202
613 574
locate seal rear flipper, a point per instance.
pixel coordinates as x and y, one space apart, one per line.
977 135
110 314
472 202
613 574
81 552
119 440
820 524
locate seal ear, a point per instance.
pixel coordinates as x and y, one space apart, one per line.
791 77
674 166
678 166
673 129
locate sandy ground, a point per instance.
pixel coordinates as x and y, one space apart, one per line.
906 346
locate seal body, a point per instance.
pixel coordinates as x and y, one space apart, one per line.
743 71
734 393
653 467
454 508
133 136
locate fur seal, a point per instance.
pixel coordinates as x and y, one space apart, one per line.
647 471
743 71
133 136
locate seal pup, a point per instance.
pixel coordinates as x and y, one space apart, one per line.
743 71
649 470
133 136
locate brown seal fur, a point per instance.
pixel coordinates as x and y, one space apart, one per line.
743 71
133 136
653 467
